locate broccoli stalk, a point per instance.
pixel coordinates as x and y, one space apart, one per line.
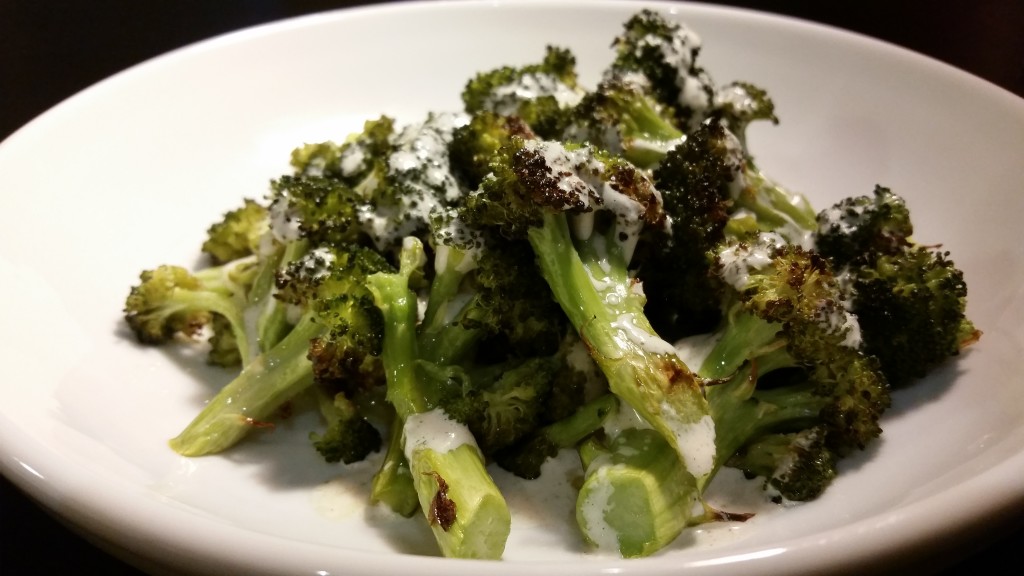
582 211
636 496
620 117
327 284
393 485
250 399
466 512
170 300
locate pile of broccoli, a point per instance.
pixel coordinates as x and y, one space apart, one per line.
505 283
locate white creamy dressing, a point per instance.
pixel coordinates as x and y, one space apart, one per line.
680 51
594 510
284 221
845 219
579 173
739 260
352 160
839 320
624 418
434 430
736 97
695 441
505 100
631 333
419 163
693 350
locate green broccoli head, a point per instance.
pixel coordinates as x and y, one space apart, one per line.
911 305
695 179
864 226
349 437
740 103
512 312
167 301
476 142
665 52
360 162
620 116
318 209
502 411
329 282
785 309
797 465
602 191
538 93
238 234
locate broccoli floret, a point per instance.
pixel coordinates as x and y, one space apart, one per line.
740 103
349 437
317 209
538 93
327 286
910 299
170 301
785 313
864 227
911 306
665 53
238 234
582 211
797 465
501 412
474 143
620 117
525 457
696 180
360 162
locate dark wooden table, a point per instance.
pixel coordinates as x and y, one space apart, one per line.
50 50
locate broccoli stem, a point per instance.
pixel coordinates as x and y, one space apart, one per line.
777 208
525 459
263 385
637 496
570 431
742 336
393 485
265 317
592 284
442 340
743 413
466 512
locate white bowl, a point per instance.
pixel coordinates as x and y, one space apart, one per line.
129 173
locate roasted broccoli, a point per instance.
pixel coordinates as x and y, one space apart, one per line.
328 286
539 93
621 117
518 280
170 300
910 299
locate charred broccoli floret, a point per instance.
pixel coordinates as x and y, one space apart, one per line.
620 117
539 93
328 286
910 299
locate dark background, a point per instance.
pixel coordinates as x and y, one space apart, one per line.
50 50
